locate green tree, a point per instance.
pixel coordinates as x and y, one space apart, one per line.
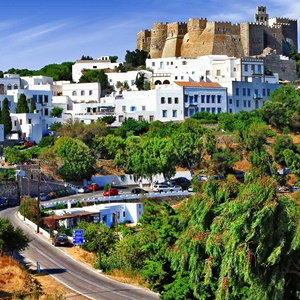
113 59
255 136
32 106
5 117
22 105
11 239
108 119
75 157
223 160
189 142
282 143
262 160
140 81
95 76
136 58
56 112
237 247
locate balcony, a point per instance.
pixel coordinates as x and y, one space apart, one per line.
257 96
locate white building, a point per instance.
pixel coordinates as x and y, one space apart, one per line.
99 64
109 213
126 77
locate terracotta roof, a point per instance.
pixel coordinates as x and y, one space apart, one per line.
199 84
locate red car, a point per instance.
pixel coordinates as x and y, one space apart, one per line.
93 187
111 192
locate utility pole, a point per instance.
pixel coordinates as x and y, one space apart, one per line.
38 199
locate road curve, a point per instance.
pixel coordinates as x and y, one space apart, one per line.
71 273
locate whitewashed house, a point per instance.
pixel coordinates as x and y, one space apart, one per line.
101 63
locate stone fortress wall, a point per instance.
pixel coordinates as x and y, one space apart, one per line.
199 37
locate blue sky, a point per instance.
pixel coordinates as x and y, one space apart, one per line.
37 33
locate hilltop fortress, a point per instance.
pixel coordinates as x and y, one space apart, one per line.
198 37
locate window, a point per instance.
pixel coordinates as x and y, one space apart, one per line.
245 103
202 109
124 108
132 108
162 100
151 118
9 86
176 100
143 107
208 99
46 112
140 118
132 82
248 92
40 99
82 93
169 100
184 63
191 99
230 101
213 110
46 98
249 103
219 98
246 68
90 92
121 118
29 121
219 110
124 214
213 98
237 103
207 73
207 109
230 110
196 98
256 104
244 92
202 99
153 64
74 93
164 114
264 92
218 72
268 92
186 98
15 86
237 91
186 112
15 123
174 113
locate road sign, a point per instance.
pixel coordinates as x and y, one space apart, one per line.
78 237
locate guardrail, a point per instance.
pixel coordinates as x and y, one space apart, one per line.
104 199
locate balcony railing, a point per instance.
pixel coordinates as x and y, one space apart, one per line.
257 96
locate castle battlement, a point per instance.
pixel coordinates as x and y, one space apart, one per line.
190 39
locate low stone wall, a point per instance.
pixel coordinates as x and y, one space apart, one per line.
8 189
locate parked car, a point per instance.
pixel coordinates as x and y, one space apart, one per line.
93 187
294 189
29 143
165 188
60 239
202 177
111 192
138 191
182 181
83 189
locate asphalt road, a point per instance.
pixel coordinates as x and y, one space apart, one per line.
75 275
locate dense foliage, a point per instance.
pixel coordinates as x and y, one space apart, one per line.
11 239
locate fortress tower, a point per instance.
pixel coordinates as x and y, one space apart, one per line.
199 37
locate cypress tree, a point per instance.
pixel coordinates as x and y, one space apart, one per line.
22 106
5 117
32 106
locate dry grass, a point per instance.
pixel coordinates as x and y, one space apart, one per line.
18 283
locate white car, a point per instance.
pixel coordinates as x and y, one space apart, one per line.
165 188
